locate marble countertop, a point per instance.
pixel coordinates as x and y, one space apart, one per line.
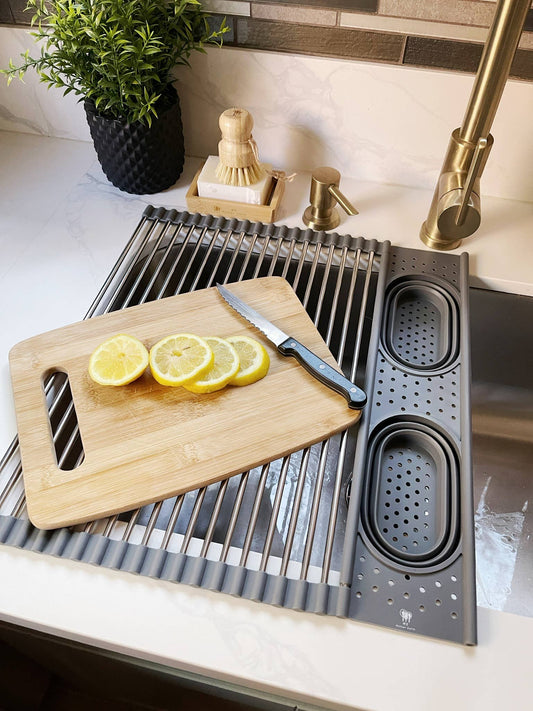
62 227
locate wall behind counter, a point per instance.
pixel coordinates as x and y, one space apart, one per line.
370 119
417 33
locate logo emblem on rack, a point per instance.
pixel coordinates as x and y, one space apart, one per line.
406 616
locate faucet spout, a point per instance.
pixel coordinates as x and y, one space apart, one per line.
455 211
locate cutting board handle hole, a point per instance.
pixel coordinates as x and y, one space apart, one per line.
63 421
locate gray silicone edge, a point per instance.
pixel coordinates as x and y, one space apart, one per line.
467 494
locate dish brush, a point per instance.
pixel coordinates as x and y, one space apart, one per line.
238 158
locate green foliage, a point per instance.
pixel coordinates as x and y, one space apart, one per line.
117 53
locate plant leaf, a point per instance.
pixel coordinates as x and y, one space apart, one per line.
119 53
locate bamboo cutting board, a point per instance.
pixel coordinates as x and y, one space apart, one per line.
144 442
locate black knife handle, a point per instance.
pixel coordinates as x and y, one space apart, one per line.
325 373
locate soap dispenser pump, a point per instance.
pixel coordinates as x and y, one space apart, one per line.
324 195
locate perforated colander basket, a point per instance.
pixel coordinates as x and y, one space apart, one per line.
420 324
410 506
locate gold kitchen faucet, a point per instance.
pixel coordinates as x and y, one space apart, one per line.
455 211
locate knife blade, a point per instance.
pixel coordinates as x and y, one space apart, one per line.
289 346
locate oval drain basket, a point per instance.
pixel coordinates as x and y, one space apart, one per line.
410 502
420 325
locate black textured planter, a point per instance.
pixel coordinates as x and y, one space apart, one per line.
138 158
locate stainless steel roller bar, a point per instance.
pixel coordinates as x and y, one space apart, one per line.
173 256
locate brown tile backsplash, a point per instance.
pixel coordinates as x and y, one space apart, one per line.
321 41
429 52
523 65
455 11
360 5
447 35
291 13
18 11
6 18
459 56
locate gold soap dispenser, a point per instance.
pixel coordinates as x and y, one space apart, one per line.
324 195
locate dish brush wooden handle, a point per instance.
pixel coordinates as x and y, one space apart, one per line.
235 150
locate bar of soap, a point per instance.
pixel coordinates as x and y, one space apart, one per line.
209 186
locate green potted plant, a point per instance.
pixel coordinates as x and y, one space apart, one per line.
118 56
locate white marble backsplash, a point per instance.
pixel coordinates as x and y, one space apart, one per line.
370 121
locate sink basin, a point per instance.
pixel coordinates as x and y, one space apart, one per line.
502 423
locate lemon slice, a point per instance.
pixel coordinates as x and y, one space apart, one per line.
224 368
180 359
118 361
253 358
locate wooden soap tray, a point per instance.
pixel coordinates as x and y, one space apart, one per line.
241 210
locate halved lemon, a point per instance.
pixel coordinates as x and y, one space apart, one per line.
180 359
253 358
118 361
224 368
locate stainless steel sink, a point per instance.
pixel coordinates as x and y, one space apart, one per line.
502 409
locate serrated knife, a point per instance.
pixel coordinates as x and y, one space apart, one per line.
289 346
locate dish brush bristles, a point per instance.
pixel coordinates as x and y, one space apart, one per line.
238 160
239 176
